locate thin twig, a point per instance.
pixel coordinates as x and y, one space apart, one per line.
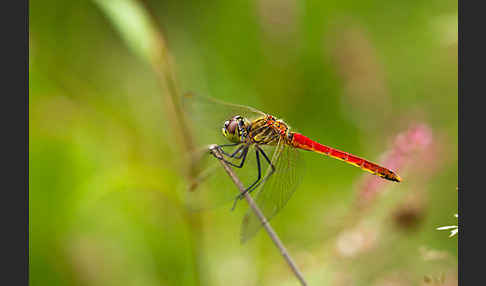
163 64
273 235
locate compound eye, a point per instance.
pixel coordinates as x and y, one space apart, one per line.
226 123
232 127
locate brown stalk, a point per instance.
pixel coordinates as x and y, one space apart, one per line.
163 65
271 233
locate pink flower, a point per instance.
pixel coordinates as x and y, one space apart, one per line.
408 146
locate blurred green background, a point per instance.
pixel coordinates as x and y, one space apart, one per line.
374 78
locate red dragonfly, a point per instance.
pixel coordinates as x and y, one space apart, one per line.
249 130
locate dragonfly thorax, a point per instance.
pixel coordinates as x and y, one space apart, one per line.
268 130
236 129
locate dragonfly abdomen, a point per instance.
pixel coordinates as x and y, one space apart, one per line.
302 142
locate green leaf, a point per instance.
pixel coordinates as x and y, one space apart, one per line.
132 22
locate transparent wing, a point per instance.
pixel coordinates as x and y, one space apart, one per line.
207 115
212 187
274 194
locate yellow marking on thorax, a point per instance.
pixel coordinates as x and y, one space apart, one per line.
266 130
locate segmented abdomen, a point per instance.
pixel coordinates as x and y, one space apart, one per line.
302 142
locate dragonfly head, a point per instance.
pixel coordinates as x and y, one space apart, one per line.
236 129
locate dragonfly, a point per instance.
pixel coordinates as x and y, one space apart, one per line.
242 133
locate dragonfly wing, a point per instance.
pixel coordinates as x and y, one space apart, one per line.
206 117
274 194
211 186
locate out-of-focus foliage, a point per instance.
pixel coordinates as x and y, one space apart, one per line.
375 78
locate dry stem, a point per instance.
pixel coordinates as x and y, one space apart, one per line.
273 235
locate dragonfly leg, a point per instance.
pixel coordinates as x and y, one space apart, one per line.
228 145
240 196
258 181
268 160
255 185
241 156
234 154
220 148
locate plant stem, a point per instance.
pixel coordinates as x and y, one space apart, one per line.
163 65
271 233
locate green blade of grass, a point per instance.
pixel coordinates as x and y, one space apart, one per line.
133 23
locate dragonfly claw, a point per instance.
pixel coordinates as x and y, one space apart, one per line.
217 155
